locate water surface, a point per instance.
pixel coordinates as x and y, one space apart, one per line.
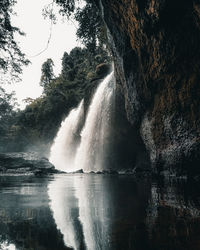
88 211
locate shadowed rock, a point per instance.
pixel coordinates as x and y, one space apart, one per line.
156 52
25 163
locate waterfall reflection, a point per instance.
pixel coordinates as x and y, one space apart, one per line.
95 210
26 221
64 206
102 212
91 211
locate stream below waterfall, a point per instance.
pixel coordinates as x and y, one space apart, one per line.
98 212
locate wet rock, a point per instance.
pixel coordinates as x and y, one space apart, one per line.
109 171
25 163
92 172
80 171
103 69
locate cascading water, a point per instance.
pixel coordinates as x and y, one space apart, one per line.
64 148
93 149
91 153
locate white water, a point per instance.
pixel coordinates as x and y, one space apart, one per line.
95 135
65 144
94 211
90 155
62 203
82 222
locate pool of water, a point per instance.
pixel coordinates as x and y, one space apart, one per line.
98 212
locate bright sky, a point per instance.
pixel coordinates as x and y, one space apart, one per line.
30 20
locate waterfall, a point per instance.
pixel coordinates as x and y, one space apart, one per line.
93 148
64 147
67 154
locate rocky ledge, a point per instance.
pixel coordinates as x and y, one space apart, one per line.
25 163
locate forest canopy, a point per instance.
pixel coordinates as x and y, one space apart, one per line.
91 28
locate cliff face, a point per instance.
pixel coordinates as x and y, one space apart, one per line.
156 48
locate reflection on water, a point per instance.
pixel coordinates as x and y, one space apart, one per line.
174 218
7 246
95 213
64 206
26 221
120 212
98 212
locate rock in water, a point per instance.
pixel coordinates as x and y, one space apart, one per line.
25 163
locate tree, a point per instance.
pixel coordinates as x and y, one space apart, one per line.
11 57
67 64
47 74
67 7
7 103
28 100
91 30
90 26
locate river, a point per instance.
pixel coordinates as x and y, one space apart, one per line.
98 212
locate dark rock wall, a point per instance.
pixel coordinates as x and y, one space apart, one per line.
156 48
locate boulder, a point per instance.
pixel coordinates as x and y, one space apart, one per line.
25 163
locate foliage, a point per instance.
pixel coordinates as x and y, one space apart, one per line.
91 30
47 73
11 62
5 103
90 26
67 7
7 113
11 59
